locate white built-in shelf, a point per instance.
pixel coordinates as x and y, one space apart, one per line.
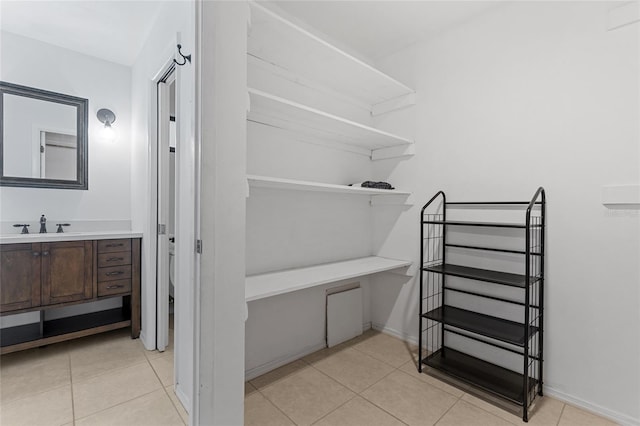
281 282
621 195
275 111
302 185
294 50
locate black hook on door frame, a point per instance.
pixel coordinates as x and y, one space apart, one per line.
185 58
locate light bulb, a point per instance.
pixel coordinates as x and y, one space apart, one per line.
108 133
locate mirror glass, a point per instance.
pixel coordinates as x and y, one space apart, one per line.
44 138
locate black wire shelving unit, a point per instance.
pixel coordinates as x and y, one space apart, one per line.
441 322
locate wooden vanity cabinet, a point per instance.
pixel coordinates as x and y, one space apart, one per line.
67 269
48 275
19 276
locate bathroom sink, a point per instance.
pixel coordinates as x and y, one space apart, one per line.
65 236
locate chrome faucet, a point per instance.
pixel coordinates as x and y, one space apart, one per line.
43 224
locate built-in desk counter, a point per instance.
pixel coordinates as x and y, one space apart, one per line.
42 272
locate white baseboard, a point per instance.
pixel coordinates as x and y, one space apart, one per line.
395 333
145 342
619 418
272 365
183 398
254 372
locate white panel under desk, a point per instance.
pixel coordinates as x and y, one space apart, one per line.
344 316
280 282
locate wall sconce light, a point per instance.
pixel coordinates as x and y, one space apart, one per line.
107 117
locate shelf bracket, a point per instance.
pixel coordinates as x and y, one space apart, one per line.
393 152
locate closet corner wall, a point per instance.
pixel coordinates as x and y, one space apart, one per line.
310 134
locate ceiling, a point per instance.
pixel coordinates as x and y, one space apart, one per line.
116 30
376 29
108 29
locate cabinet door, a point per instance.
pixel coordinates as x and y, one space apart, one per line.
67 271
19 276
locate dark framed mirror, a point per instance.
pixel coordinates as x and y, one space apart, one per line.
43 138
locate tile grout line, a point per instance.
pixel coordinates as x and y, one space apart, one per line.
485 410
116 405
155 373
561 413
308 364
73 405
164 388
355 395
393 369
111 371
339 384
445 413
373 403
33 394
169 396
123 402
441 381
173 404
274 405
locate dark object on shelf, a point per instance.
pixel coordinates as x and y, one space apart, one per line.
440 320
376 185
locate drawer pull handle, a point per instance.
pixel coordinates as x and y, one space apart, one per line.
36 253
114 259
45 253
111 287
114 245
114 273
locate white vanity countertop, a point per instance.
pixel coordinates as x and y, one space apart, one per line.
66 236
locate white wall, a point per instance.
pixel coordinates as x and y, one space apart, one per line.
535 94
107 85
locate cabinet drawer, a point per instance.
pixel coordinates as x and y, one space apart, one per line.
108 246
108 288
114 259
114 273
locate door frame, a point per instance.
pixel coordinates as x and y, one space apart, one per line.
187 223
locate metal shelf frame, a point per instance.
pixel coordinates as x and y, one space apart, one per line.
438 319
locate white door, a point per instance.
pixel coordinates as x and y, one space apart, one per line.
164 136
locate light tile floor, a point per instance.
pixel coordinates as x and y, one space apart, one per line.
106 379
373 381
109 379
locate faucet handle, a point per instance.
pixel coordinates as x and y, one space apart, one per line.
60 225
25 229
